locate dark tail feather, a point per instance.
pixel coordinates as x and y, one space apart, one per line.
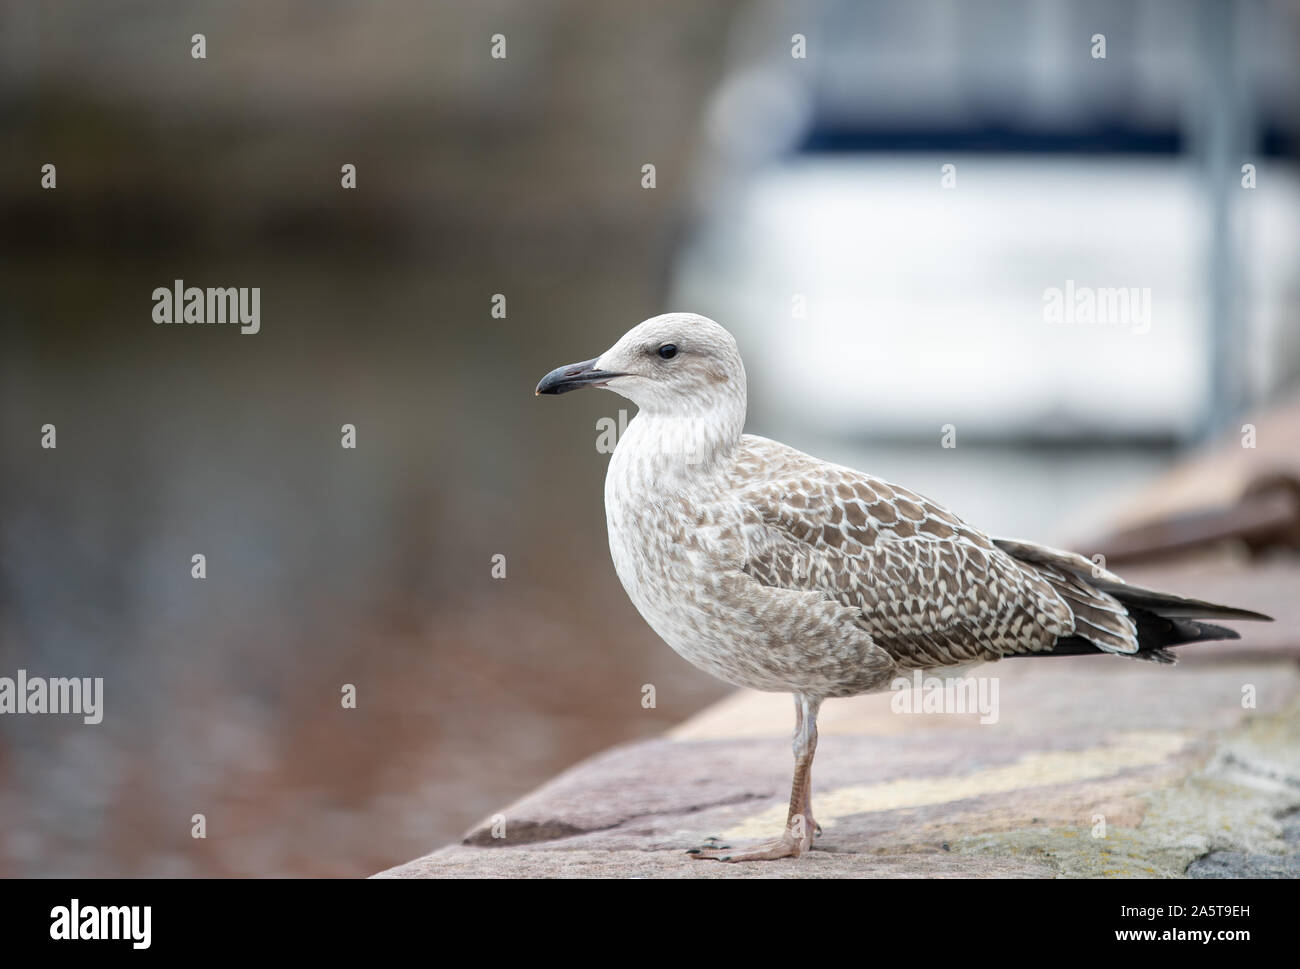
1165 620
1162 619
1172 606
1156 634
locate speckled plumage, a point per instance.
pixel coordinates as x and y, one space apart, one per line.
777 571
774 570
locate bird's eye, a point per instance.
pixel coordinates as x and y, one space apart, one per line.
668 351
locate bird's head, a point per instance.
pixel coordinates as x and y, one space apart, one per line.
675 364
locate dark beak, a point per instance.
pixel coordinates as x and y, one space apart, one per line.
561 380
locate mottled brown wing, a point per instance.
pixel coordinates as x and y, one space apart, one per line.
931 591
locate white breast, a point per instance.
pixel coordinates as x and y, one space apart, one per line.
660 550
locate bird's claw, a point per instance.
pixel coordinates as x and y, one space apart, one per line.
787 846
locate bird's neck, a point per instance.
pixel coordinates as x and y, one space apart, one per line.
662 448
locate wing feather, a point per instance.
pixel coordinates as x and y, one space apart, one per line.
929 589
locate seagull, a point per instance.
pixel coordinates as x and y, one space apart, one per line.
777 571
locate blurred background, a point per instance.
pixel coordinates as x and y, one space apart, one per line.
880 221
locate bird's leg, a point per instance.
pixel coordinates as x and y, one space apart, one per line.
804 745
800 827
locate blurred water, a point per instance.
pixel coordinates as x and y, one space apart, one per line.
325 566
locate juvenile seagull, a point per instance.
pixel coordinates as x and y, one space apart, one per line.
776 571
